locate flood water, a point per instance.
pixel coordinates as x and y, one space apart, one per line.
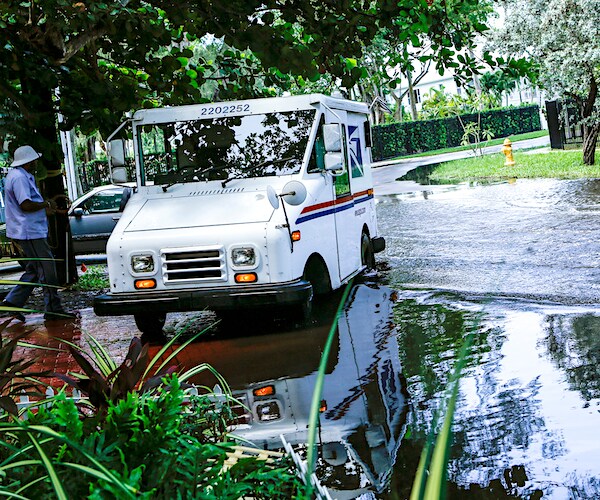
517 264
513 263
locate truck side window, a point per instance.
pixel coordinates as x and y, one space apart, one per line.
316 162
342 182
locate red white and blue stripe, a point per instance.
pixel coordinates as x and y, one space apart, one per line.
334 206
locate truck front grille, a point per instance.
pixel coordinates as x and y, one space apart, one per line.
185 265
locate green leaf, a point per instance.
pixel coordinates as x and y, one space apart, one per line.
54 479
350 63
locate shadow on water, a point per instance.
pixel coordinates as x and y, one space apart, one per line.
421 175
364 403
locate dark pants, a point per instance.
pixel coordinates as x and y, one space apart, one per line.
37 271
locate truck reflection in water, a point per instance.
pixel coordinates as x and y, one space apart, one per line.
364 404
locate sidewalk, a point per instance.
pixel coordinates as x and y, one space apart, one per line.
386 173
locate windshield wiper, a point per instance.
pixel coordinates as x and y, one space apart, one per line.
253 169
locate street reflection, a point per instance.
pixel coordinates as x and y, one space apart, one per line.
528 404
364 406
574 346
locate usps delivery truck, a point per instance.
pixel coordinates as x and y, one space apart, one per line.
240 205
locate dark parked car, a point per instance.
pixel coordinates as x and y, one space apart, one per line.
93 217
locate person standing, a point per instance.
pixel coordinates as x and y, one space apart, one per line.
27 226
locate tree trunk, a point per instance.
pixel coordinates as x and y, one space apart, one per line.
476 82
590 139
398 111
590 132
411 96
44 138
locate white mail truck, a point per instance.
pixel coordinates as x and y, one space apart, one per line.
241 205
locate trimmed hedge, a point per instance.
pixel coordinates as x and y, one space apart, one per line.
406 138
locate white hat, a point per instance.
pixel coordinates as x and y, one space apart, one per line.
24 155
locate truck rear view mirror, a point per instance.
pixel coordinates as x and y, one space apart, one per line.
119 175
334 161
116 152
332 137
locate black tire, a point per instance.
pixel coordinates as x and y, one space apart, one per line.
317 275
367 256
151 325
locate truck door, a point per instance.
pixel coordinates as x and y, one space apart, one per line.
348 242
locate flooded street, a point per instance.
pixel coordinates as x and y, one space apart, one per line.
516 264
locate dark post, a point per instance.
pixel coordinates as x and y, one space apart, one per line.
554 128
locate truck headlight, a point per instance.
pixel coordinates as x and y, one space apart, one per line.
142 263
243 256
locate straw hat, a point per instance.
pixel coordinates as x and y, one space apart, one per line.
24 155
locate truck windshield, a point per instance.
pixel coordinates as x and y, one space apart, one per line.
225 147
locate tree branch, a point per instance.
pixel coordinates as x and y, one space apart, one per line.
86 38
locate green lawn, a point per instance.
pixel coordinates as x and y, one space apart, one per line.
493 142
554 164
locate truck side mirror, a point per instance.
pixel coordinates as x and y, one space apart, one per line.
334 162
332 137
116 152
118 175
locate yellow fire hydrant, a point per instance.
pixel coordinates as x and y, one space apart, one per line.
507 150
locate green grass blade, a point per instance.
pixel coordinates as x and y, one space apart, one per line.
436 483
103 360
31 484
89 471
53 476
129 491
430 479
169 344
35 346
8 494
420 481
206 367
20 463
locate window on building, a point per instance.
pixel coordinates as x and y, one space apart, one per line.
417 93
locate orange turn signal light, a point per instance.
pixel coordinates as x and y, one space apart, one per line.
296 236
246 277
267 390
145 284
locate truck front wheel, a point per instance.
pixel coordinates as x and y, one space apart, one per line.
151 325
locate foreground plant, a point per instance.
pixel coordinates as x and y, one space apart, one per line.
16 379
139 448
104 381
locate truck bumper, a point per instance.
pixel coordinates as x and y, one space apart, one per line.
216 299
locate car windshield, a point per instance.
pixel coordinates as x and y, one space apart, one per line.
225 147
